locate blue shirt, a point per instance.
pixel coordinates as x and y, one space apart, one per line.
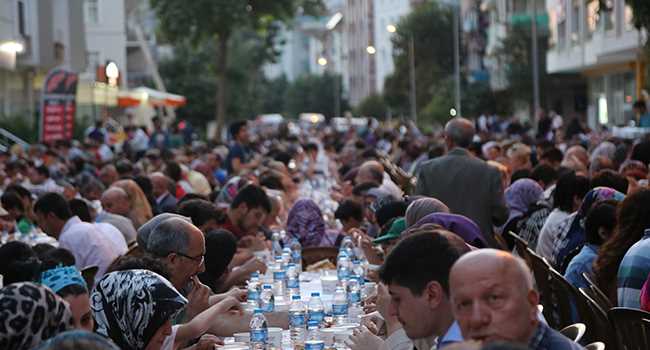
633 272
581 263
452 336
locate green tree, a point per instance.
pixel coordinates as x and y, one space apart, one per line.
312 94
216 21
430 25
372 106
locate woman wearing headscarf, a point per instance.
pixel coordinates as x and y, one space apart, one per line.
423 207
458 224
230 190
570 234
134 308
78 339
140 208
67 282
30 314
521 199
305 223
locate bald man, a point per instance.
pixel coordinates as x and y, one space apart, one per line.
116 207
467 185
373 171
165 201
493 299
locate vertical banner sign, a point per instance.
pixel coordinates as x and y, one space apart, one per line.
58 105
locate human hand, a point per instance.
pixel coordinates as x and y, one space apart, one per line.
238 294
254 264
363 339
198 298
253 243
373 321
230 305
208 342
383 301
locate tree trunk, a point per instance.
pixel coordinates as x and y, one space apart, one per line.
222 65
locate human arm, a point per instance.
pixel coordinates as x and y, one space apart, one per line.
200 324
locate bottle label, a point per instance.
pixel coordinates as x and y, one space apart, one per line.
340 309
253 295
293 283
259 336
267 307
316 316
314 345
297 319
279 276
354 297
296 256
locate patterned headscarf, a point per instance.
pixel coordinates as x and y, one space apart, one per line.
229 191
520 196
423 207
130 306
78 339
29 314
61 277
461 225
305 223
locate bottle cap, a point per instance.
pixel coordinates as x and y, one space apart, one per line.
295 297
315 294
258 311
267 286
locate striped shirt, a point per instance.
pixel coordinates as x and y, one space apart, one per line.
633 272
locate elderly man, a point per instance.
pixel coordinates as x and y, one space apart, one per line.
165 201
469 186
373 171
115 203
494 300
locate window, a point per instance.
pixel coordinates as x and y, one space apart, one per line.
92 11
92 60
21 18
575 21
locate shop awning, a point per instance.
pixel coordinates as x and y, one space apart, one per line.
144 95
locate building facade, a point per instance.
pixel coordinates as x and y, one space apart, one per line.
387 13
359 28
597 40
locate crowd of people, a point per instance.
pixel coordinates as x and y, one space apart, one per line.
146 244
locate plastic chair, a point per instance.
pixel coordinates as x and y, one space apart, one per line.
521 246
599 322
599 296
632 327
541 270
575 332
563 295
315 254
595 346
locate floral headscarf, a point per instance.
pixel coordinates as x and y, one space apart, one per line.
305 223
29 314
130 306
520 196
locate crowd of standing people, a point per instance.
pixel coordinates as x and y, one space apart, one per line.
146 244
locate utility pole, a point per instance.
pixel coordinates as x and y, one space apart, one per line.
414 110
456 24
533 29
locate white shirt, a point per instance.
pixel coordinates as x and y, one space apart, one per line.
88 244
114 235
545 241
47 186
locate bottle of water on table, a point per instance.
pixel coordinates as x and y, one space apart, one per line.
297 320
296 253
254 288
315 308
293 280
354 301
267 299
343 267
340 306
259 333
314 341
276 245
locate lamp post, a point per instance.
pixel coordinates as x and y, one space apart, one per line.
534 53
391 28
112 73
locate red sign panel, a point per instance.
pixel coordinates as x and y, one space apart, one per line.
58 105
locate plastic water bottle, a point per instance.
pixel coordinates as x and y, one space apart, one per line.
293 280
275 244
340 306
286 256
254 287
259 332
347 246
267 299
343 267
297 320
358 272
354 301
314 341
315 308
296 253
279 277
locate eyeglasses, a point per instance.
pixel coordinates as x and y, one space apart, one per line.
199 259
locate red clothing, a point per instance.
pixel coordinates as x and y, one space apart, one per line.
228 225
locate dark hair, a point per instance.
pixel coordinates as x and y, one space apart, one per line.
611 179
640 105
419 259
544 173
199 210
190 196
641 152
144 262
362 188
42 248
271 181
568 187
389 211
55 257
254 197
349 209
235 128
310 147
602 215
42 170
20 190
53 203
80 208
123 167
19 263
632 218
174 171
553 155
520 174
72 290
11 200
220 247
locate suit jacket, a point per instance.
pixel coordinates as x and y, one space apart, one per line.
468 186
167 204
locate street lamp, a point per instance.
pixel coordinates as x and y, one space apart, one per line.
12 47
391 28
112 73
371 50
322 61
